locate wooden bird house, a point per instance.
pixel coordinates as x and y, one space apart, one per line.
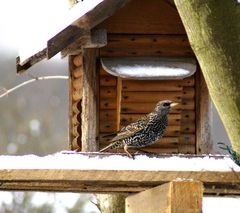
140 31
124 57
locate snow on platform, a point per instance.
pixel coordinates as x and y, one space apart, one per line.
104 172
99 161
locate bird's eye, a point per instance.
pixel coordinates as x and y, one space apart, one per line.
166 104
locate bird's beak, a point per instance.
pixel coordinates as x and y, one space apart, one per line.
173 104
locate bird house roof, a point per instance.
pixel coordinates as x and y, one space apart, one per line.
77 29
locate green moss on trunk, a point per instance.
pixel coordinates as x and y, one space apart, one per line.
213 28
111 203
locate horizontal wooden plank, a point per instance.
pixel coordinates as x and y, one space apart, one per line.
189 82
188 92
148 52
187 139
103 72
173 119
108 126
187 148
148 107
107 115
108 92
94 172
151 96
108 80
187 115
148 85
142 17
108 104
116 41
188 104
146 45
188 127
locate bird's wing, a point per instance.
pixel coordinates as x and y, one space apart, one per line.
131 129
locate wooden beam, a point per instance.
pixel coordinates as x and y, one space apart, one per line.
79 27
94 38
89 102
204 141
176 196
94 172
29 62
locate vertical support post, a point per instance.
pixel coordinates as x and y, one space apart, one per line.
89 102
70 112
204 142
119 97
183 196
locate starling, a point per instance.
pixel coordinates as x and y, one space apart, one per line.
143 132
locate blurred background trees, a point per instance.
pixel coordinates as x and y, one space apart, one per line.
34 120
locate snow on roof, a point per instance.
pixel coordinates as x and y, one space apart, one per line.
93 161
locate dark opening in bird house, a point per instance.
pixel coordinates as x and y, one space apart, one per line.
152 68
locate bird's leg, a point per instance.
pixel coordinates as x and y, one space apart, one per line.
126 150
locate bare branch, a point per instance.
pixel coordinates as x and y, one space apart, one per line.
31 81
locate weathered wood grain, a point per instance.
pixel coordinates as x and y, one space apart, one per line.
89 101
175 196
137 85
152 96
82 25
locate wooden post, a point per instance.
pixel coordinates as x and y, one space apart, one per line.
89 102
183 196
203 116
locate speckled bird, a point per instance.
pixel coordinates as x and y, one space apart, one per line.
143 132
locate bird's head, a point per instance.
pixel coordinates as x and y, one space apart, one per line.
163 107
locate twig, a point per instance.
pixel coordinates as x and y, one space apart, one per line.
31 81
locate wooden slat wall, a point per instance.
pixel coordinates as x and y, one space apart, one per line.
132 34
145 17
108 103
146 45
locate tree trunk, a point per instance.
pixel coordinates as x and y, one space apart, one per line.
111 203
213 28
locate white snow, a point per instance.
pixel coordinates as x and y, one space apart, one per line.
149 71
221 204
72 160
150 67
30 24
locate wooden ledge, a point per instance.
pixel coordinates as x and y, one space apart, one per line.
115 173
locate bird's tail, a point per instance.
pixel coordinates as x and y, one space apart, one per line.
114 145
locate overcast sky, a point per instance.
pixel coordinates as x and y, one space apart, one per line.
29 24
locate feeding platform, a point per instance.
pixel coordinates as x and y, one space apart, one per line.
94 172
